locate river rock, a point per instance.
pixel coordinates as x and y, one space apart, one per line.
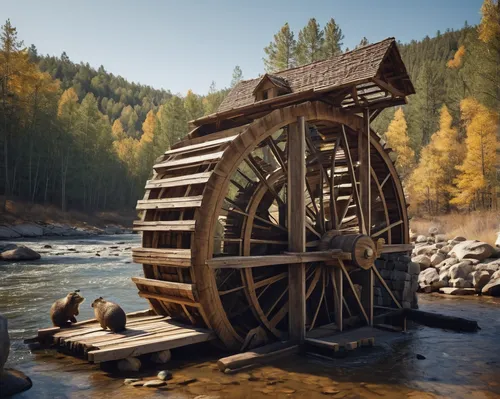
440 238
480 279
457 283
129 381
472 250
445 250
11 381
493 286
445 277
460 270
436 259
424 250
422 260
6 233
457 291
19 253
161 357
164 375
129 364
459 238
446 264
28 230
154 384
421 238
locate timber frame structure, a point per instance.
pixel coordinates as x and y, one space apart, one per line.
256 224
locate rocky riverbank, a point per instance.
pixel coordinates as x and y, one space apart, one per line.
40 229
456 266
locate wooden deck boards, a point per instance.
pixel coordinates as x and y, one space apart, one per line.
145 333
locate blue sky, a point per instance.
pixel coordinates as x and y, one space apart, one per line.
186 44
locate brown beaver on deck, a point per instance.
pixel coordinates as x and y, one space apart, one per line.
64 310
109 315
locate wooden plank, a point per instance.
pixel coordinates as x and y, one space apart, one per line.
201 146
162 256
257 356
179 181
332 346
190 140
172 225
149 346
338 292
296 229
214 156
168 298
182 289
243 262
170 203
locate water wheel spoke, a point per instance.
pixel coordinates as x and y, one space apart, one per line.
250 161
319 302
376 234
270 280
280 297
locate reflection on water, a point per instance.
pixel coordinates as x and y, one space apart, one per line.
456 365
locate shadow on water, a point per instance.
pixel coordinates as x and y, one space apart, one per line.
456 365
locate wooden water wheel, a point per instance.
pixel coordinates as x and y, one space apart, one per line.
230 216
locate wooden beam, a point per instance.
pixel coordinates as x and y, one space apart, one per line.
389 87
244 262
297 228
338 292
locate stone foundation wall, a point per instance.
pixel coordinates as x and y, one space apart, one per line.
401 276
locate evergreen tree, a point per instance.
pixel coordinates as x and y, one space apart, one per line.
237 76
364 42
280 53
193 105
333 39
310 43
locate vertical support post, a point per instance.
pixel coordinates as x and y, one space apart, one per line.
338 285
296 228
364 170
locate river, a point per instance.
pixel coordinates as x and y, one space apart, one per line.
456 365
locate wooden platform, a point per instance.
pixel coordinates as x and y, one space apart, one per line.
145 333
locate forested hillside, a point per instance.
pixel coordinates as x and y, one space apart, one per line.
82 138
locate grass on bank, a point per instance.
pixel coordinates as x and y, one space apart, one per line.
479 225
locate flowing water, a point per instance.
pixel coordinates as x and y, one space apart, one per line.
456 365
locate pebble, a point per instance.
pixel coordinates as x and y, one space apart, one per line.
165 375
330 391
420 357
137 384
47 246
154 383
129 381
188 381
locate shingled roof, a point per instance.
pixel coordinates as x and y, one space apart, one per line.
345 69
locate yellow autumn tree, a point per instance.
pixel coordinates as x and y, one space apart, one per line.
146 146
431 183
127 151
457 60
397 139
476 181
117 130
489 28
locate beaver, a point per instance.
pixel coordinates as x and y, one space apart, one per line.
109 315
64 310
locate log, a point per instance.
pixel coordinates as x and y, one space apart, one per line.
441 321
260 355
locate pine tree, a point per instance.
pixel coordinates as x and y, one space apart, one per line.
397 139
237 76
364 42
193 105
333 39
310 43
477 179
280 53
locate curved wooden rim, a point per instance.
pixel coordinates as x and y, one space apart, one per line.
217 186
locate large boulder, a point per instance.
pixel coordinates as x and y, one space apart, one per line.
480 279
422 260
7 232
493 286
446 264
428 276
459 283
11 381
460 270
445 250
19 253
28 230
424 249
457 291
472 250
437 258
